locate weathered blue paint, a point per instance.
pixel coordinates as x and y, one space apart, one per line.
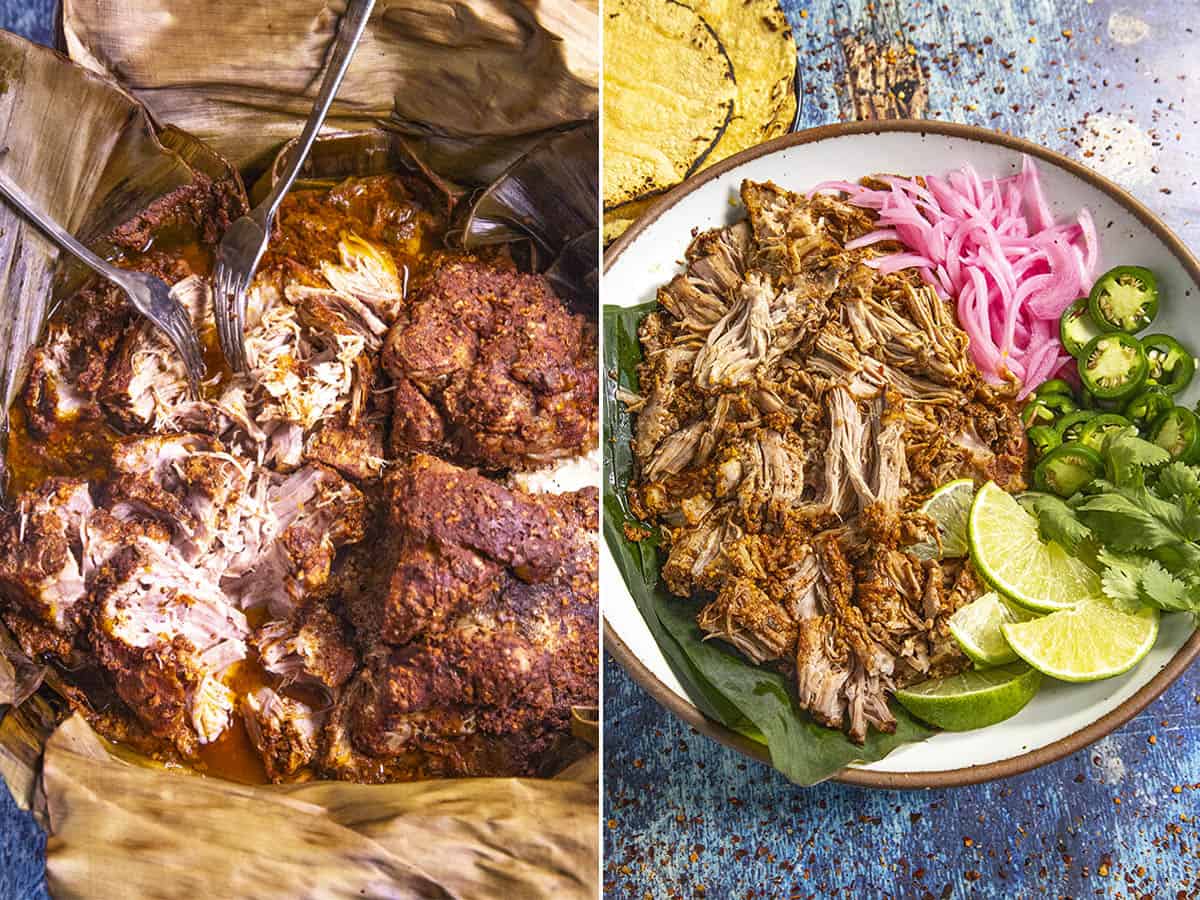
33 19
686 817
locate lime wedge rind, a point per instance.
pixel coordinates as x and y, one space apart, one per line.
1090 642
973 699
948 506
977 628
1009 553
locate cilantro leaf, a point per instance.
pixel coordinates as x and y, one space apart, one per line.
1178 481
1162 589
1131 580
1057 522
1127 456
1121 579
1120 523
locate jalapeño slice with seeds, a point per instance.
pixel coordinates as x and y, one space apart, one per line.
1067 468
1178 432
1113 365
1046 410
1124 299
1169 365
1077 327
1070 425
1097 428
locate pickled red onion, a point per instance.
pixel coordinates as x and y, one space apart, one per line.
994 248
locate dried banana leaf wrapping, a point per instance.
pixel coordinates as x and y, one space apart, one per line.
87 153
124 826
173 836
242 77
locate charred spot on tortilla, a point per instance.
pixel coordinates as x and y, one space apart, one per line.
759 41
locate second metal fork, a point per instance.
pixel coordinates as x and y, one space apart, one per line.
244 243
149 295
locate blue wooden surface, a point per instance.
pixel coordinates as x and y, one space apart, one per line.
685 817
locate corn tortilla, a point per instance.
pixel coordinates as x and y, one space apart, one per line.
669 94
617 219
758 39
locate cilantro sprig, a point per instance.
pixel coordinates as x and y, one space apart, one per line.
1139 525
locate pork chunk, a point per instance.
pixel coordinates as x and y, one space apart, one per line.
309 647
508 370
165 633
463 531
41 553
313 512
285 731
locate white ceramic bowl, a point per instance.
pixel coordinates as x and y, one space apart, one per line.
1063 717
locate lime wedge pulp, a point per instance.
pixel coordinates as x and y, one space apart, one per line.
1011 556
949 507
976 627
1093 640
973 699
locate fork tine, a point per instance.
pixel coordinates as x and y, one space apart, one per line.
238 320
218 282
229 322
222 313
179 330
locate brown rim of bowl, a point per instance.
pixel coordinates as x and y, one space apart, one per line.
952 777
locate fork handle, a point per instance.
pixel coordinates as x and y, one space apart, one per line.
350 30
59 235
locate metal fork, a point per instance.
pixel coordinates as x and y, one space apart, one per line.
244 243
149 295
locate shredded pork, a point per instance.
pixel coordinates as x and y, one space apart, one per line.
796 408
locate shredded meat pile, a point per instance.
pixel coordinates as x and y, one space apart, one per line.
369 608
795 408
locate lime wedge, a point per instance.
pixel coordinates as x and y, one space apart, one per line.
976 627
949 507
1009 554
973 699
1094 640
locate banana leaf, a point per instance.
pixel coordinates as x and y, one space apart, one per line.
122 825
120 830
750 700
548 198
93 165
241 77
20 677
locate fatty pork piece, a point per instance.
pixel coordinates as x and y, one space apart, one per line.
41 552
51 397
311 514
462 531
146 386
165 632
355 449
285 731
522 660
310 647
68 368
491 368
189 482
